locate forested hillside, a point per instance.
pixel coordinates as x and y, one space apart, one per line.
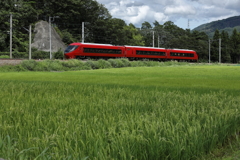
101 27
227 25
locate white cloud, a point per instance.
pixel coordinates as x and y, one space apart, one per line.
198 11
180 10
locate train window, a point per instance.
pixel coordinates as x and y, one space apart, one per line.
70 48
153 53
181 54
100 50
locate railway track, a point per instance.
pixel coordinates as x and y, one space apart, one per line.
10 61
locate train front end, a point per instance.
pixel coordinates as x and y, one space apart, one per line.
71 51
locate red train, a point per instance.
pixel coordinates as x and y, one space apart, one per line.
92 50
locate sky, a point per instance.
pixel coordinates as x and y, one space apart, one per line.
183 13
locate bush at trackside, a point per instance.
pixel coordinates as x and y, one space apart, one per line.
74 65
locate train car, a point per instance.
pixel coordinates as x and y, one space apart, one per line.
182 55
90 50
93 50
139 53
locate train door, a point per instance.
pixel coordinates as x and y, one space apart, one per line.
129 52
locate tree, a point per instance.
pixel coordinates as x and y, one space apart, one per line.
215 47
146 25
23 15
235 46
147 33
134 37
225 48
115 32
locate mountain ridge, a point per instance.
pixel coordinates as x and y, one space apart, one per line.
228 25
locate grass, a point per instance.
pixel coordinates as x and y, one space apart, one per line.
171 112
184 78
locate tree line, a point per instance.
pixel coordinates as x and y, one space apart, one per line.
101 27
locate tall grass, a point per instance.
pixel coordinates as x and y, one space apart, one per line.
64 120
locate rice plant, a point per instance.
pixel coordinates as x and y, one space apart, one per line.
130 113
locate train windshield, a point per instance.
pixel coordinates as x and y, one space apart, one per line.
70 48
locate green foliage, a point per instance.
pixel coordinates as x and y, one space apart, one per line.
134 38
92 64
104 64
74 64
67 37
4 56
58 55
36 54
29 64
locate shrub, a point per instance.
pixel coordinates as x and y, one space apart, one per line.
125 62
92 64
40 54
113 63
55 65
104 64
4 56
29 64
43 65
73 64
4 53
58 54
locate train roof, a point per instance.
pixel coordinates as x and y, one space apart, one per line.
144 47
93 44
181 49
129 46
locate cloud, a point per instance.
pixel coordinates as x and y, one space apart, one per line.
180 10
133 3
199 11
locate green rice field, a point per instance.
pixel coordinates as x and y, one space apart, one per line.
142 113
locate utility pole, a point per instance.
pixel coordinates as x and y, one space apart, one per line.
82 32
11 36
50 39
30 41
153 38
50 34
209 50
220 50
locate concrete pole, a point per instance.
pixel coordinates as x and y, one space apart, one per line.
153 38
220 50
209 51
11 36
82 32
50 39
30 41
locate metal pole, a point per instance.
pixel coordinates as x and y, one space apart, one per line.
30 41
82 32
158 41
11 36
209 50
219 50
50 39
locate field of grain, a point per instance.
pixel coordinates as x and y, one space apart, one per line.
172 112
